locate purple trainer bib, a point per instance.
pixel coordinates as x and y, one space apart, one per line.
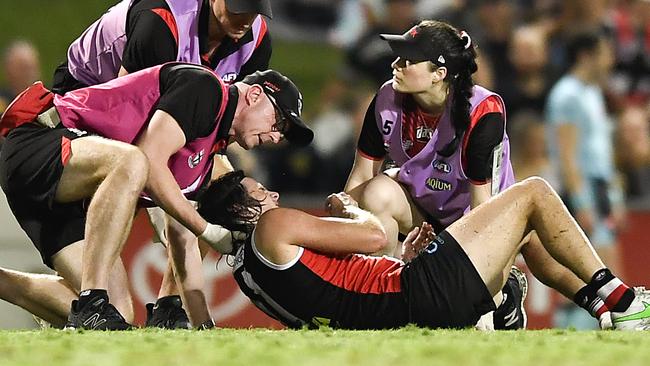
96 56
436 183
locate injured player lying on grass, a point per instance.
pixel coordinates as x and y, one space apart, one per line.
307 271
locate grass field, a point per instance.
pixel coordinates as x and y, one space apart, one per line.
408 346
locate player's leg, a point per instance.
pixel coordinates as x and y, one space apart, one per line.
46 296
391 203
551 273
493 231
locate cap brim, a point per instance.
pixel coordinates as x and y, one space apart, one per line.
250 6
298 133
403 47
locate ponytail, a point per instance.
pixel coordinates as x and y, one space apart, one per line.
461 91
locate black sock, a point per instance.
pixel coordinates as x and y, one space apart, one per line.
88 295
588 299
616 295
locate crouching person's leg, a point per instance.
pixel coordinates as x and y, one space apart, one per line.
111 174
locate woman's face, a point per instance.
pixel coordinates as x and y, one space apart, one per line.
268 199
410 77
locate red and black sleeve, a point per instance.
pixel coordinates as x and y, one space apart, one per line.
485 133
151 35
371 144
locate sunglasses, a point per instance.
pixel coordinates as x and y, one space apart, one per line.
281 121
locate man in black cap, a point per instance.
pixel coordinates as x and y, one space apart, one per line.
184 115
228 36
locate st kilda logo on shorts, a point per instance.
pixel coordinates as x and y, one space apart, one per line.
194 159
436 184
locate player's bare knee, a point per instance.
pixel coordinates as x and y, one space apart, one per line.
538 188
378 194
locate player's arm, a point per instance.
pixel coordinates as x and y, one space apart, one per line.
281 227
370 154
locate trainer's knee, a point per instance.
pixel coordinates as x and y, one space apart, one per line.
133 166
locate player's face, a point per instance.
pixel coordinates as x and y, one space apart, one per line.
268 199
234 25
411 77
259 124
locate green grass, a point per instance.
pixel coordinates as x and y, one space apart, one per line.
409 346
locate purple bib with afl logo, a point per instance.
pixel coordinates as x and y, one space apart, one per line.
436 183
121 109
96 56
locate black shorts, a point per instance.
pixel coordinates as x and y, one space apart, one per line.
31 164
443 288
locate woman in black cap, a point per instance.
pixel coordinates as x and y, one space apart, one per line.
446 136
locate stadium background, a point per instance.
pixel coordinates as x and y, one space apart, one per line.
304 48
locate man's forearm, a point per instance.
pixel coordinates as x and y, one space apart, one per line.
164 190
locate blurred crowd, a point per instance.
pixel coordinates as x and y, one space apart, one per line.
526 50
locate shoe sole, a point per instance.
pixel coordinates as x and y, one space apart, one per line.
522 280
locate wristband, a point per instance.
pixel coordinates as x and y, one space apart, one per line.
218 238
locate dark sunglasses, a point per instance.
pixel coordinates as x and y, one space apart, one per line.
281 122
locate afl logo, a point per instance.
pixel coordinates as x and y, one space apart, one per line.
195 159
229 77
441 166
436 184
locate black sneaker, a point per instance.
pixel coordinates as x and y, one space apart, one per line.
167 313
511 315
98 314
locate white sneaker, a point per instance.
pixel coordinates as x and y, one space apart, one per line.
637 316
605 321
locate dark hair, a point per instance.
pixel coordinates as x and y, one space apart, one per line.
460 60
585 41
227 203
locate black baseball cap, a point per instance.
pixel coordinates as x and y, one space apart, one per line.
416 45
250 6
286 96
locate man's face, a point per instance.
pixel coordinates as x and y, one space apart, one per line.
234 25
268 199
257 122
